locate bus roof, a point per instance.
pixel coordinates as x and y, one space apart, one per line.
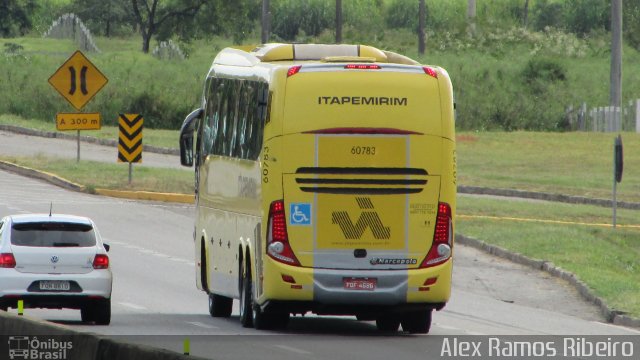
290 53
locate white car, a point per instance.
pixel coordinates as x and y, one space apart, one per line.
55 261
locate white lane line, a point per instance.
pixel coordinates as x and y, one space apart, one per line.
132 306
294 350
199 324
150 252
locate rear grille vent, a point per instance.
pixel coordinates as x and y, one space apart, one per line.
361 180
360 170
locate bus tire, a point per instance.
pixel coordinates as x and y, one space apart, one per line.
388 323
246 298
220 306
417 322
203 267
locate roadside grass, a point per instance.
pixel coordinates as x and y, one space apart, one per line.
98 175
606 259
155 137
572 163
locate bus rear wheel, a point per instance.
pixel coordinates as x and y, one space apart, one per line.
269 320
220 306
246 298
417 322
388 323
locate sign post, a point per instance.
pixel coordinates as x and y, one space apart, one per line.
78 81
617 172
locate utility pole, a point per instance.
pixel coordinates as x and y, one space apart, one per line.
338 21
421 35
266 21
615 94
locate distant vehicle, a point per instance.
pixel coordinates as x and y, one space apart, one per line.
325 182
55 261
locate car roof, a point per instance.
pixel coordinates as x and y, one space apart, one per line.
30 218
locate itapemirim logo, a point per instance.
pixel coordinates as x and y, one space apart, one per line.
367 219
33 348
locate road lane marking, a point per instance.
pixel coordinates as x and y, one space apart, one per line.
294 350
463 216
149 252
133 306
199 324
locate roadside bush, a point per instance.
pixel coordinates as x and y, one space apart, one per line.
545 70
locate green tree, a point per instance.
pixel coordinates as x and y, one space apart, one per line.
15 18
152 15
102 16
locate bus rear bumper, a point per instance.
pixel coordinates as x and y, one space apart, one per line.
325 291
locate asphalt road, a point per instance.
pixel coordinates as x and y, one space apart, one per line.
155 300
12 144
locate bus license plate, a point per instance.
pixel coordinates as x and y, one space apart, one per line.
359 284
55 285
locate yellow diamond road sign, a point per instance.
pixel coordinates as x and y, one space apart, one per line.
78 80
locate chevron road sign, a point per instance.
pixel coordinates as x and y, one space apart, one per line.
130 138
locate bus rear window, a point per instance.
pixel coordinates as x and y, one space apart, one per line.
53 234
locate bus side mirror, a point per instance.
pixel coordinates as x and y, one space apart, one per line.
186 137
186 150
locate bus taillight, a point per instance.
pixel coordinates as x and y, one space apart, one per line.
430 71
293 70
278 246
442 238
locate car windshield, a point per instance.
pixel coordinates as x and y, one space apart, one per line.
53 234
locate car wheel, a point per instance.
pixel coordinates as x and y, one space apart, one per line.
246 298
417 322
87 314
220 306
103 312
388 323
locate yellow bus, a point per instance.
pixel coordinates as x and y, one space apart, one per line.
325 181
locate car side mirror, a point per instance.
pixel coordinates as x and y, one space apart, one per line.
107 247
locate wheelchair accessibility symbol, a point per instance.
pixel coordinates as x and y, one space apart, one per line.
300 214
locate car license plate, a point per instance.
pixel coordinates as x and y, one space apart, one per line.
359 283
55 285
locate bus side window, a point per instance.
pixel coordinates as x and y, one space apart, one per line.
244 126
209 113
219 127
241 125
261 99
232 119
